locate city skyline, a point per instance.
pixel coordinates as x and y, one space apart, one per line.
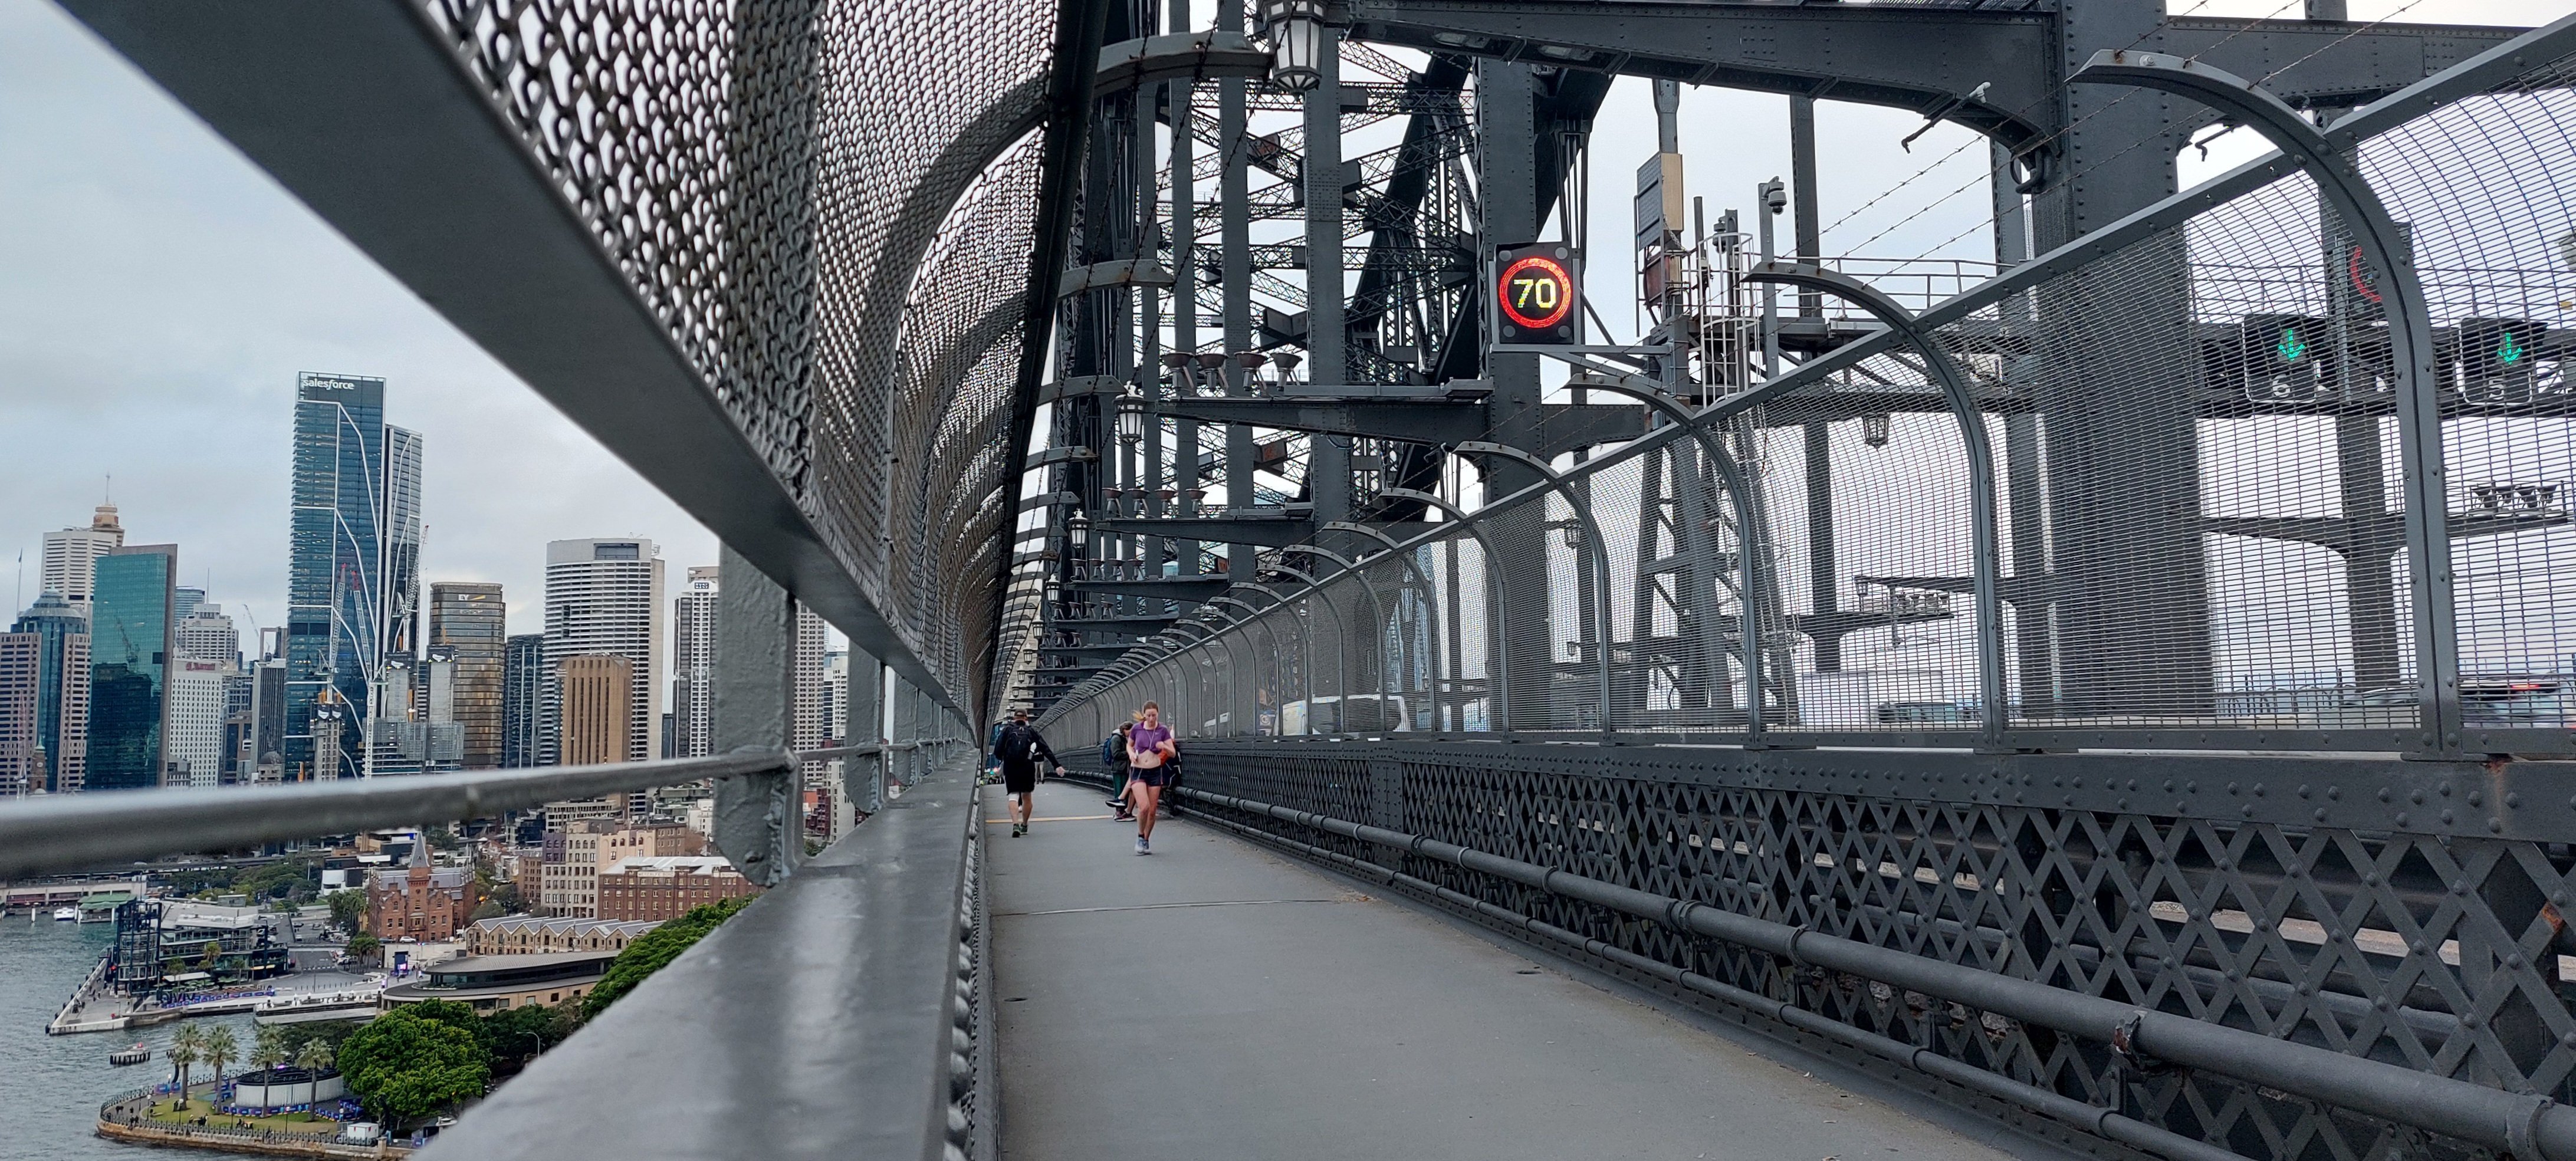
153 218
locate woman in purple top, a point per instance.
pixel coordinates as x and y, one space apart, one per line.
1149 752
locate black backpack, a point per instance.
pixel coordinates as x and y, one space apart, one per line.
1113 749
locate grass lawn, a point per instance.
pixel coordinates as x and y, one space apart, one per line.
164 1112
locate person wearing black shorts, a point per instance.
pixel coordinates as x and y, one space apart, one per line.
1018 750
1149 754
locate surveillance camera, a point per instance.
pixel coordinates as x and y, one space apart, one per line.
1775 197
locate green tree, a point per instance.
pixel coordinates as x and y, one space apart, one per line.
515 1036
267 1048
208 952
364 947
654 950
220 1049
185 1047
348 909
315 1055
408 1064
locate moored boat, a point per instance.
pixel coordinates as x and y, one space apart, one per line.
67 914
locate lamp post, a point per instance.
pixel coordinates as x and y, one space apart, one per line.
1295 29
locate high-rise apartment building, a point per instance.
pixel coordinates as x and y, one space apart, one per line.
22 745
523 696
131 647
693 664
470 621
353 576
604 597
810 718
71 554
62 690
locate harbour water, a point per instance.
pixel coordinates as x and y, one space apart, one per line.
51 1086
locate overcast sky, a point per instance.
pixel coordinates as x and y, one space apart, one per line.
158 296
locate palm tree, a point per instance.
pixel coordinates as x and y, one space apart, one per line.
315 1056
219 1049
186 1047
267 1049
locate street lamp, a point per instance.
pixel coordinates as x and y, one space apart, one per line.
1295 29
1131 420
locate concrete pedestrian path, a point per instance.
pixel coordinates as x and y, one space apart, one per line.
1215 1000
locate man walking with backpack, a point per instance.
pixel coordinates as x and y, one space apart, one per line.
1018 749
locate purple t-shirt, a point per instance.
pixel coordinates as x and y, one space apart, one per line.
1141 739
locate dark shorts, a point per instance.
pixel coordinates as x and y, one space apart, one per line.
1158 777
1019 777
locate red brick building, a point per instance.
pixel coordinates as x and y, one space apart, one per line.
655 889
421 902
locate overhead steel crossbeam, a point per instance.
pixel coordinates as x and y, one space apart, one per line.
1992 71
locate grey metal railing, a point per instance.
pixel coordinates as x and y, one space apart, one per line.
73 831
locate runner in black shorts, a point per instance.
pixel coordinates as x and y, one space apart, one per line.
1149 748
1018 749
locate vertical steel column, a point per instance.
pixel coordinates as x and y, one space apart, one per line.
1328 462
2120 424
1235 240
1149 319
1508 188
757 823
1824 576
1807 230
2035 605
863 776
1185 289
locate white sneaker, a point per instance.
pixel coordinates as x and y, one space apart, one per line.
1142 848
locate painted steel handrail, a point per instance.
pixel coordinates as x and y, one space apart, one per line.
64 832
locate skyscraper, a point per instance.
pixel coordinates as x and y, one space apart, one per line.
598 694
196 720
352 581
471 621
604 597
71 554
693 664
62 689
810 721
21 742
131 646
523 699
206 633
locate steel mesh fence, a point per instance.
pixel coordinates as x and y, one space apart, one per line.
771 177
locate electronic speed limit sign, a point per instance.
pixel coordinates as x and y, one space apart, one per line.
1537 296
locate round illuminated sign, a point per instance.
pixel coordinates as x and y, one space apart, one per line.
1535 292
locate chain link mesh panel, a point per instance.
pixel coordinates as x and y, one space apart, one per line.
770 176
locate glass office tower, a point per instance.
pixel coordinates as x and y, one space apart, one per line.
470 620
523 690
354 574
132 643
62 688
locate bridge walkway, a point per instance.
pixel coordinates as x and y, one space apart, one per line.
1218 1000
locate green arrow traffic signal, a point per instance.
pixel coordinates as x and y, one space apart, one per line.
2292 346
2510 351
